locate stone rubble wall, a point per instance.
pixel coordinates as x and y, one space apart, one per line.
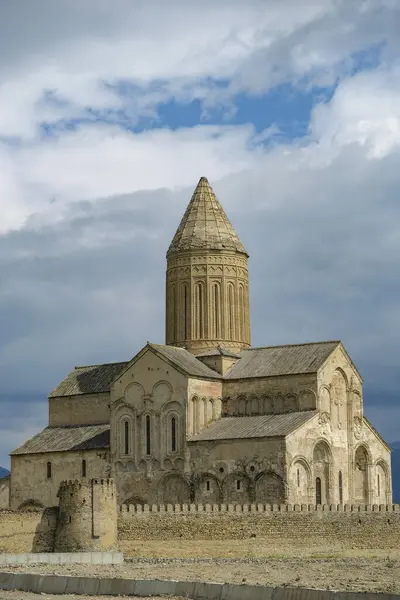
322 528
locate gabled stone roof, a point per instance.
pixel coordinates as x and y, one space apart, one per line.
219 351
255 362
235 428
281 360
205 225
67 438
186 361
92 379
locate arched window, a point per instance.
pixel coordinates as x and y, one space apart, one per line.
172 312
340 488
185 306
318 495
216 308
173 434
199 304
84 468
126 437
148 435
379 486
49 470
231 314
298 477
208 485
241 309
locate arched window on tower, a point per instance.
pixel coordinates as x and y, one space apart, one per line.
216 311
171 312
126 437
185 310
340 488
231 312
148 435
173 434
84 468
241 310
199 304
49 470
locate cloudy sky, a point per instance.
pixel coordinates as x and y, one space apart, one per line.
110 112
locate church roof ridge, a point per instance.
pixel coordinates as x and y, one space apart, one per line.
205 224
292 345
116 362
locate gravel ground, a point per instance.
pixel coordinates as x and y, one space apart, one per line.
28 596
373 574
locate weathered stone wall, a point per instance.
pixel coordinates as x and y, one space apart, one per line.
85 409
284 527
5 492
242 471
268 395
87 516
27 531
29 481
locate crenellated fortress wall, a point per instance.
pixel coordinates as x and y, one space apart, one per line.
88 519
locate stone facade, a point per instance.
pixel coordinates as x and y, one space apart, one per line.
5 492
206 418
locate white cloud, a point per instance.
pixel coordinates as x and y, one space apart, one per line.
182 46
364 110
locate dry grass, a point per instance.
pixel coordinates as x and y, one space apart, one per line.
242 549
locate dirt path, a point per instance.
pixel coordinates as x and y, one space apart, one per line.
373 573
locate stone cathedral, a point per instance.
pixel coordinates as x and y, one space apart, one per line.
207 417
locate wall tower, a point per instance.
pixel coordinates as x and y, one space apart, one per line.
207 283
87 516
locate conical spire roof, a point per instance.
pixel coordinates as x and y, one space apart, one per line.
205 224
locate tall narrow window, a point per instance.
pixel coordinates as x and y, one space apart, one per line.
148 435
173 434
238 484
231 309
185 311
199 310
298 477
49 470
379 486
241 309
84 468
216 311
318 493
172 313
126 437
340 488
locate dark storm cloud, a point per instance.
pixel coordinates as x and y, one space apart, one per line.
324 251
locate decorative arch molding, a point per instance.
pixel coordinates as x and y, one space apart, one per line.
135 500
299 458
115 404
162 392
199 481
172 429
365 447
270 487
241 405
31 504
134 393
173 405
363 473
321 441
174 488
344 375
232 493
381 462
307 399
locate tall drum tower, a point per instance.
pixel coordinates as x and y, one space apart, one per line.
207 283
